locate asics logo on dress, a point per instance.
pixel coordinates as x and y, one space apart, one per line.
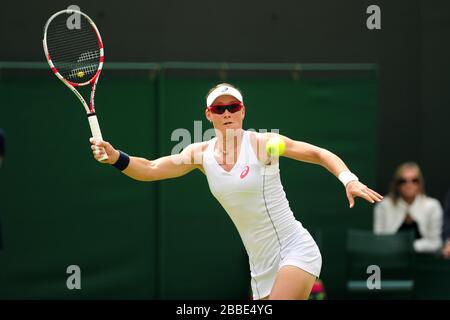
245 172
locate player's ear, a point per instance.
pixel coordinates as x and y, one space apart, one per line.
243 112
208 115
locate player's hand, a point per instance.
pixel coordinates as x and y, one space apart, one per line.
100 147
355 189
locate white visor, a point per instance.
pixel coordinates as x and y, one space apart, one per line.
222 91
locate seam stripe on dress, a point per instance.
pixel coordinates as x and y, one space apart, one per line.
267 210
256 282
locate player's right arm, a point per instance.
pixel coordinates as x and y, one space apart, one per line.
143 169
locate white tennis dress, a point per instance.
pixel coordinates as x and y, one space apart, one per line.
252 195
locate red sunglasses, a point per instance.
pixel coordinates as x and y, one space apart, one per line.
231 107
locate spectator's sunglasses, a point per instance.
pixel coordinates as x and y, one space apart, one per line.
231 107
404 181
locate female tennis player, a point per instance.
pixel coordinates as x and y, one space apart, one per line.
283 257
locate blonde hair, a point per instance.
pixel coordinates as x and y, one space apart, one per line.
394 192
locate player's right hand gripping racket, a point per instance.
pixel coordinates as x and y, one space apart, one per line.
74 50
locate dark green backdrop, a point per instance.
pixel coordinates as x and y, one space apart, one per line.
169 239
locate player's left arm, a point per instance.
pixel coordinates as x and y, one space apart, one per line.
306 152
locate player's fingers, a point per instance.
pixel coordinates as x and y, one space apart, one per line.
99 150
366 196
375 196
102 143
103 151
99 157
102 158
372 194
351 200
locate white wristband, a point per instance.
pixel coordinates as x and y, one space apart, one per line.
346 176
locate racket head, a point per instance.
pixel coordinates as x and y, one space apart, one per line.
74 51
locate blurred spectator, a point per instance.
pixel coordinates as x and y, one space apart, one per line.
446 230
408 208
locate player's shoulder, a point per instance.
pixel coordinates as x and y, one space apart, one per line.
197 146
258 142
261 137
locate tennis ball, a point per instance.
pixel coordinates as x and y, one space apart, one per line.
275 147
80 74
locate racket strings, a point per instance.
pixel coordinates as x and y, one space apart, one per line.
74 52
81 71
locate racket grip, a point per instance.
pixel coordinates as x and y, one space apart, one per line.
95 130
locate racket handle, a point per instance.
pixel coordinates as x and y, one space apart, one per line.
96 133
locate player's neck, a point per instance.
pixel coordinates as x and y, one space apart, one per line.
230 140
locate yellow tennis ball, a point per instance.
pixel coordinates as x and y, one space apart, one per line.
275 147
80 74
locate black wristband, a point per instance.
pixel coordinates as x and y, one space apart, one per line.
122 162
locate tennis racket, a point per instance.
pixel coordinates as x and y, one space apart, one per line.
75 54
